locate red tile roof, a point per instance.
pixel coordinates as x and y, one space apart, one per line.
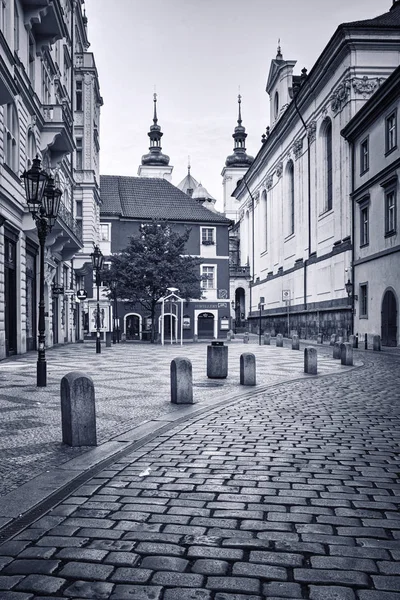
151 198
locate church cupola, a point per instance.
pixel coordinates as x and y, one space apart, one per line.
155 156
239 158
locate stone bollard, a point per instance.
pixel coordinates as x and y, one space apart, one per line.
78 410
279 340
195 338
333 339
377 343
217 361
267 339
346 354
310 361
228 336
366 341
181 381
340 339
295 342
336 351
319 338
108 339
247 369
353 341
246 338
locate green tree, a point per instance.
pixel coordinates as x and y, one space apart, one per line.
153 261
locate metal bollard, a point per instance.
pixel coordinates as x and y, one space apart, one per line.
78 410
353 341
217 360
336 351
295 342
310 361
181 381
108 339
377 343
279 340
346 354
247 369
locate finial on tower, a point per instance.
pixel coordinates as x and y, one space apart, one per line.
188 164
240 113
279 50
155 108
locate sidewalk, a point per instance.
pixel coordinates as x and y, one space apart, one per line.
290 491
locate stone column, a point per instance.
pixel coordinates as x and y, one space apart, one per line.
181 381
295 342
247 369
346 354
310 360
78 410
377 343
336 351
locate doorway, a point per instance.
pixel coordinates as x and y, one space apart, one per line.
132 327
10 297
205 326
389 319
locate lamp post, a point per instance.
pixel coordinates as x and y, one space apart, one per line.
97 263
260 306
43 200
349 291
115 320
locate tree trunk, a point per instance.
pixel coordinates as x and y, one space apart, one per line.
152 336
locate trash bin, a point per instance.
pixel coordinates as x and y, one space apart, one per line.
217 360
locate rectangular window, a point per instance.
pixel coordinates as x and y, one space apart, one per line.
364 224
208 277
391 132
207 236
16 29
79 154
31 60
46 84
79 210
390 212
78 96
104 232
363 300
364 156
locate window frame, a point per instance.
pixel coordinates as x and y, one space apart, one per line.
329 166
364 156
390 148
79 153
206 240
291 195
364 226
105 226
203 283
390 230
79 95
11 137
363 300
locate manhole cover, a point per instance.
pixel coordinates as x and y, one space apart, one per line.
208 384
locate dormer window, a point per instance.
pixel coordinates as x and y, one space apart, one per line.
276 105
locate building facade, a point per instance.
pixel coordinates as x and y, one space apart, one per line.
295 215
45 99
128 203
375 165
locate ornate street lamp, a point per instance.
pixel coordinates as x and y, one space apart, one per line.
115 324
97 263
43 200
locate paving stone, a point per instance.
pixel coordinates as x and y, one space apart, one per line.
350 564
76 570
122 558
112 545
164 563
332 577
27 567
62 542
131 575
13 548
9 581
276 558
227 596
388 583
103 534
210 566
86 554
90 590
234 584
154 548
42 584
284 590
186 594
331 593
178 579
259 570
218 553
139 592
16 596
377 595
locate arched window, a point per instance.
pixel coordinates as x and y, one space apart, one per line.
264 224
328 165
276 105
31 148
290 196
11 132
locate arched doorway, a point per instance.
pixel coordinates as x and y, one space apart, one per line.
389 319
169 321
132 327
240 310
205 326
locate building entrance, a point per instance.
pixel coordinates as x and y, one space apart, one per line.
132 327
205 326
10 284
389 319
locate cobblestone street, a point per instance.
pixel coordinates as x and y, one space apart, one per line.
291 492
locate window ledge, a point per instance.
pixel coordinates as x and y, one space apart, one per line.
12 173
289 237
390 233
363 317
364 245
363 172
391 150
325 214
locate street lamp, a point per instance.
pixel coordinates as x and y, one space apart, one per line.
260 306
43 200
115 323
97 263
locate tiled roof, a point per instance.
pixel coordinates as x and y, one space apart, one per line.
151 198
388 19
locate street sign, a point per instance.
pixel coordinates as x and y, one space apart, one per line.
81 294
286 295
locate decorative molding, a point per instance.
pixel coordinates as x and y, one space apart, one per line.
312 131
340 96
324 112
366 85
241 215
279 169
269 181
298 148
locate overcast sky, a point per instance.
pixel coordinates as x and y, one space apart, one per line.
196 54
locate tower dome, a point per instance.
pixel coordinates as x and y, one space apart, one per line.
155 157
239 158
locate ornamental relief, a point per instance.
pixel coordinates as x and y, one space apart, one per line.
340 96
268 182
279 169
312 131
298 148
365 85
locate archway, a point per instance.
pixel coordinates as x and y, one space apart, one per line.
205 326
132 327
170 327
389 319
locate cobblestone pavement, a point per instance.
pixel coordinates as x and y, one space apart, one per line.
131 385
293 493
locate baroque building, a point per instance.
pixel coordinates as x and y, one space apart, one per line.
295 222
50 107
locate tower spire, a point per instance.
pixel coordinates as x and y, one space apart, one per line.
155 156
240 114
155 109
239 158
279 54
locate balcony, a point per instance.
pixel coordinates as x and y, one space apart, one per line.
238 271
56 135
66 235
45 19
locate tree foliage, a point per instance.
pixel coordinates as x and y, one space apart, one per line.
153 261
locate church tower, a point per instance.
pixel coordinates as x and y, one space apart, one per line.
155 163
235 167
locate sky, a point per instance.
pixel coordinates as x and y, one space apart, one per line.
197 55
